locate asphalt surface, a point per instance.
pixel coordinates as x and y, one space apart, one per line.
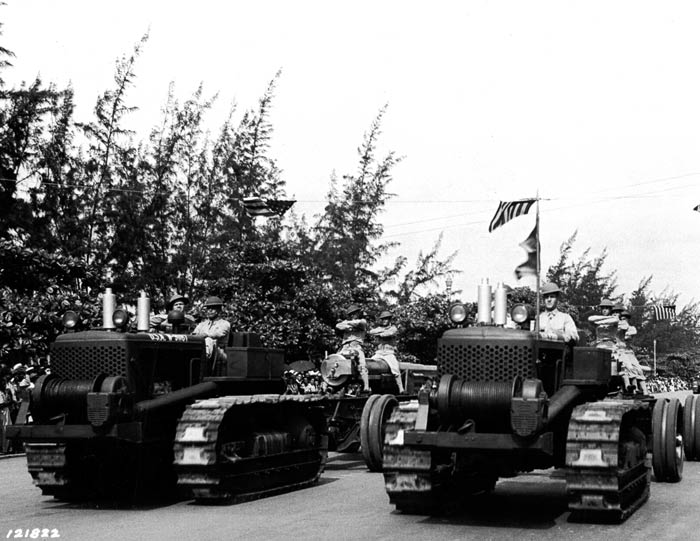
348 503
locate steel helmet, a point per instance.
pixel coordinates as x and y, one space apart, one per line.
385 315
352 309
213 302
606 303
550 288
618 308
175 298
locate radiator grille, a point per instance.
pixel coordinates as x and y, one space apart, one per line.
485 362
86 361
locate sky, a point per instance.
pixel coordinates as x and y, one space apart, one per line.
593 106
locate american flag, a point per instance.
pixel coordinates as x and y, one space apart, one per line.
255 206
507 210
665 313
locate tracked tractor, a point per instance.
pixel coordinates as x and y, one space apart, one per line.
129 414
509 402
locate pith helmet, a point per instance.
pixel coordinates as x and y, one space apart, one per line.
618 308
350 310
175 298
625 313
213 302
385 315
606 303
550 288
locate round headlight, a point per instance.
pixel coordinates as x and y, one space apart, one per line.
520 313
458 313
70 319
120 318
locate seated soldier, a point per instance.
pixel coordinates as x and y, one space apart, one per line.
215 328
354 329
631 367
385 334
159 322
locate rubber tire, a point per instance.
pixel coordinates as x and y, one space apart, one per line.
378 411
691 427
364 428
666 462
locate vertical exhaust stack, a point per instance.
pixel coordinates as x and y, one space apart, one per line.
109 304
143 313
484 302
500 307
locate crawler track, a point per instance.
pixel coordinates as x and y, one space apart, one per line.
237 448
608 474
407 472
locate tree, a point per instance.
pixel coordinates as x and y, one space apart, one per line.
347 232
583 282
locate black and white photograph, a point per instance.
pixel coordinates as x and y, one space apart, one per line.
349 270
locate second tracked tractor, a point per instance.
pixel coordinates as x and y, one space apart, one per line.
509 402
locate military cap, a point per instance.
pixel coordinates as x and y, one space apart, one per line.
352 309
549 288
213 301
175 298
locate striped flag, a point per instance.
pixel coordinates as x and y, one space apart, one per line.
507 210
531 247
256 206
665 313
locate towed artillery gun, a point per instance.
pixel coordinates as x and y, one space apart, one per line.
509 402
129 414
348 425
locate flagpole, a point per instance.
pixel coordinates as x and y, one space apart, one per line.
537 266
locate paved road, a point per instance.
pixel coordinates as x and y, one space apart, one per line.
350 503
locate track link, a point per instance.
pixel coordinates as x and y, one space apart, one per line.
210 473
608 473
407 472
47 464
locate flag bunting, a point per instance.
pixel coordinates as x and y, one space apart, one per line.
531 247
507 210
255 206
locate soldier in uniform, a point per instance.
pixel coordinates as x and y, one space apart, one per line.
605 326
555 325
159 322
215 328
613 333
386 334
632 370
354 328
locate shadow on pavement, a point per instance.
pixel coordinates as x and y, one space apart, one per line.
345 461
531 505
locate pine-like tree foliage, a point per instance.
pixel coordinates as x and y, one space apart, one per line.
22 115
347 233
107 151
4 53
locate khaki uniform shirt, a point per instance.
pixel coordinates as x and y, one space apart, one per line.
556 325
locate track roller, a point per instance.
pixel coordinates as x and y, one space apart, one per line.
375 414
667 436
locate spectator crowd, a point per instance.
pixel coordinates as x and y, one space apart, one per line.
16 384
